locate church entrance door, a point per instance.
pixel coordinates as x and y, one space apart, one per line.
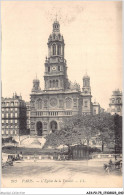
39 128
53 126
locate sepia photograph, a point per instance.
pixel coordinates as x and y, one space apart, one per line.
61 94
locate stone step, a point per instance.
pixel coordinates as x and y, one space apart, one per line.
35 142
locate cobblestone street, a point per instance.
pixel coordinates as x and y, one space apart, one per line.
60 174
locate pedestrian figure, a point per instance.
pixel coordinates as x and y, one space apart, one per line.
21 157
59 157
110 162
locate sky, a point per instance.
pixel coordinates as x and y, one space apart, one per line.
93 42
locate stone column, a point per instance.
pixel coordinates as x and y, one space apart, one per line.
56 49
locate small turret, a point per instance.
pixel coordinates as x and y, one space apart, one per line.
86 84
36 85
86 81
56 26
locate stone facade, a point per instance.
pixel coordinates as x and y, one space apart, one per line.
115 105
96 108
28 115
60 97
13 116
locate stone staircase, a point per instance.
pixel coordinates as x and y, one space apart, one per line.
33 142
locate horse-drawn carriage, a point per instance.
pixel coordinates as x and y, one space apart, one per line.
9 161
113 166
11 158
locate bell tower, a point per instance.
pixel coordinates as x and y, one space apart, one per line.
86 94
36 85
55 76
86 85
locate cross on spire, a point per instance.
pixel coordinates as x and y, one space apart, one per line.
86 63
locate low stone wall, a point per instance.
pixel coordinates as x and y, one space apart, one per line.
37 157
106 155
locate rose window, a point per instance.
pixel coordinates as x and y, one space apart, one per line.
53 102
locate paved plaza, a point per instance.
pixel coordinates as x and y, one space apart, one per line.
60 174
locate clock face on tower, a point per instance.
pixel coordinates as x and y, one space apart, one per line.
54 68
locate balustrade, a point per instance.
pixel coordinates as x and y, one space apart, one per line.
51 113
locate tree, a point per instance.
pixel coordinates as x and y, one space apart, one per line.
75 130
100 126
104 123
110 130
80 129
118 133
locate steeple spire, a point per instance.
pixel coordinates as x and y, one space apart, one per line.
86 64
56 16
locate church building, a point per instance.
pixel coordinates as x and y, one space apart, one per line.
60 97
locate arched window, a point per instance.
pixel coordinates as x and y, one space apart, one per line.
68 103
53 126
59 50
39 104
58 68
54 49
119 100
48 68
50 84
